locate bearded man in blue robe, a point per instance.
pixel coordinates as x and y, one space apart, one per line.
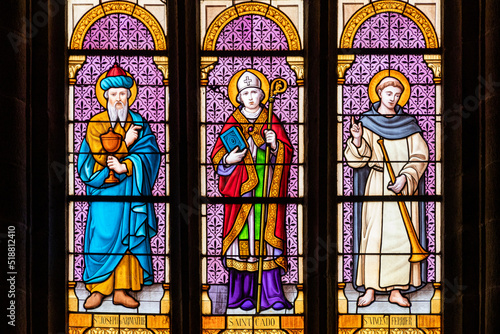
118 234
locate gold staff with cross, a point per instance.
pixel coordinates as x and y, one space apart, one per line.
278 86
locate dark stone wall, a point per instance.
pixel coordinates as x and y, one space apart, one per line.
462 180
13 149
452 166
33 144
492 167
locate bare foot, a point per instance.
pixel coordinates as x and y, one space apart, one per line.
397 298
121 297
367 298
93 301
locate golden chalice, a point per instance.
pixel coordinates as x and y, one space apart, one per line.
111 142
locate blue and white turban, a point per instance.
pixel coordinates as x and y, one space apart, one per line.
117 82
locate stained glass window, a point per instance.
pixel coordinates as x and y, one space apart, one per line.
252 166
389 166
118 208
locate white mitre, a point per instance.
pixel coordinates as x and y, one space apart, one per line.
248 80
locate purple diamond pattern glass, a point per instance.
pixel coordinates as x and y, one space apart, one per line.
118 32
251 32
422 104
389 30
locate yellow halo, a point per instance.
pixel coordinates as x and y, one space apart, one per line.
372 88
232 88
99 92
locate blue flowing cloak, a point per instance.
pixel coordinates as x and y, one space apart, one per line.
115 228
397 127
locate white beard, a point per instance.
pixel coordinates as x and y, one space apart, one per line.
117 114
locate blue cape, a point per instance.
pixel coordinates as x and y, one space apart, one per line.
399 126
115 228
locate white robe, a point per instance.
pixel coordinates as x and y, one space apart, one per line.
383 234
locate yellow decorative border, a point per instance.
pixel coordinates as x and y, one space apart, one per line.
72 298
364 324
250 266
244 247
297 65
74 64
253 178
248 8
252 8
206 302
218 157
86 323
153 26
287 324
165 300
216 27
394 6
118 7
343 64
254 331
206 65
434 63
162 64
241 218
278 171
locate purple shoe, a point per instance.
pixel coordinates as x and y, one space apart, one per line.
247 305
278 306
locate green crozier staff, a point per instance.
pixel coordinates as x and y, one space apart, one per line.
278 86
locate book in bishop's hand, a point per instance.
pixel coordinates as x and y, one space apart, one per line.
233 138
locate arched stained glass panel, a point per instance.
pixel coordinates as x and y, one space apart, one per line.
242 290
118 167
389 166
